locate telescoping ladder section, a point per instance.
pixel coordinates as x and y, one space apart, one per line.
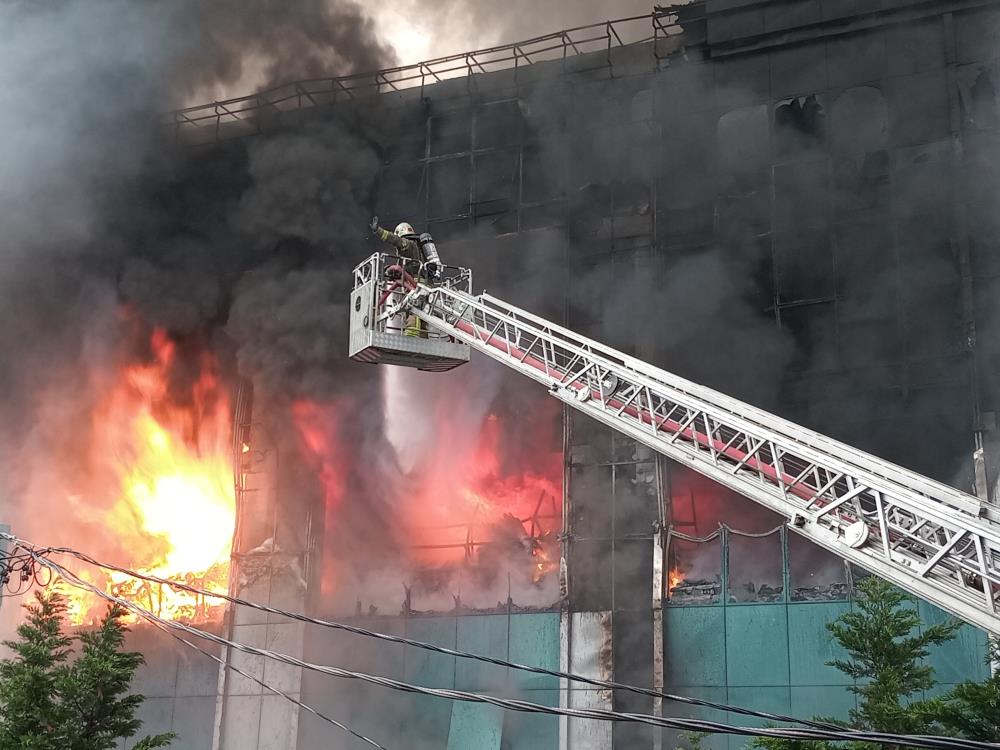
930 539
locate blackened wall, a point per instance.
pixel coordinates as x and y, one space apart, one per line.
793 201
798 208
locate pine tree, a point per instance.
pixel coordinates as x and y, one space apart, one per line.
972 709
886 652
886 645
30 713
48 702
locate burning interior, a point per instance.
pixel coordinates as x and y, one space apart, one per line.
157 478
468 502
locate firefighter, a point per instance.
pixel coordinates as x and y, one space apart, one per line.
420 258
412 246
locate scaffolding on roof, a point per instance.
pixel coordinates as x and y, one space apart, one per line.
245 115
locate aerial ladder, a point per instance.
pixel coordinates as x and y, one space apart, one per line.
937 542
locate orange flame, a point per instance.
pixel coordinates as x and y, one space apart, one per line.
674 579
317 425
163 452
465 493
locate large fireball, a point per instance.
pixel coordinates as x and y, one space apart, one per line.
161 448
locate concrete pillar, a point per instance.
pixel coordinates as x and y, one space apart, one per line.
268 567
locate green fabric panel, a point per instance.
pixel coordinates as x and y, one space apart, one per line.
810 645
427 720
695 646
757 644
523 731
674 739
834 701
964 658
771 699
534 641
475 725
425 667
388 659
485 635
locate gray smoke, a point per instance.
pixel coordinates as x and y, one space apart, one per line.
460 25
104 228
223 42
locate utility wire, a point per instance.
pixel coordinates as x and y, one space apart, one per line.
267 687
889 739
298 616
23 564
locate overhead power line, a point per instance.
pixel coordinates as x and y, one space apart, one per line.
21 566
300 617
693 725
269 688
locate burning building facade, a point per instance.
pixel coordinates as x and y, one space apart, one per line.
792 202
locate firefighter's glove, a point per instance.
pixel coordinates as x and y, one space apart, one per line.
373 225
432 270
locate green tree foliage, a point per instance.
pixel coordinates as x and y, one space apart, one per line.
885 646
30 712
50 701
972 709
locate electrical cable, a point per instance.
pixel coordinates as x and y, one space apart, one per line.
605 684
271 688
25 566
22 569
930 742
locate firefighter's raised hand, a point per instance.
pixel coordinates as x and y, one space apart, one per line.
373 225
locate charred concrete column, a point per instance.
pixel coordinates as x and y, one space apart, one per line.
269 565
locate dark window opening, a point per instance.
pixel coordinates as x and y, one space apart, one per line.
799 125
694 572
815 574
451 134
755 568
498 124
496 183
449 188
804 266
402 193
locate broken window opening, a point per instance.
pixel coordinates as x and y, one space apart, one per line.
756 570
695 570
815 574
799 125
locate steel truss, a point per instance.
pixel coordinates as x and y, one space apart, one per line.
930 539
246 115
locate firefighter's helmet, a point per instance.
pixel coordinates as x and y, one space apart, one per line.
405 229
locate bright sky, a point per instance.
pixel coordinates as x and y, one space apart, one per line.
424 29
408 31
